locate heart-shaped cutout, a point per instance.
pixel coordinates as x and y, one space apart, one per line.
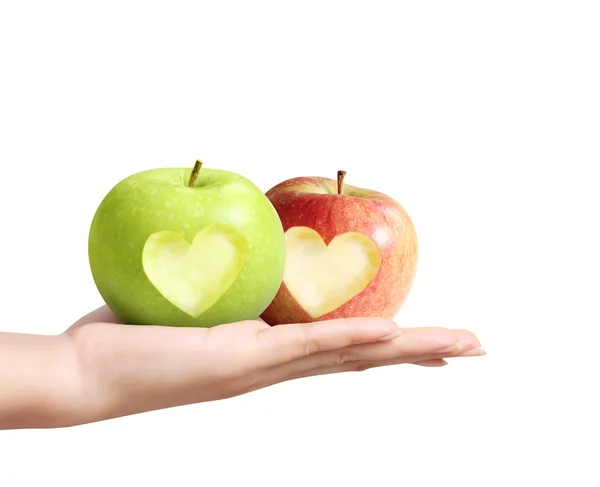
194 276
324 277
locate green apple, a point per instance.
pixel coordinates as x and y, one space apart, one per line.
183 247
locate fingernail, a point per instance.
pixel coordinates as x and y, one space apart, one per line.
391 336
474 352
455 347
436 362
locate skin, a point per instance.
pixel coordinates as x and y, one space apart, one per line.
100 369
313 202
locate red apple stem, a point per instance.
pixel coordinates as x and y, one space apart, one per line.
340 181
195 172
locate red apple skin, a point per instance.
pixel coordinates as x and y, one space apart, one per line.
313 202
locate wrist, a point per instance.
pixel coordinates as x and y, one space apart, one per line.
41 376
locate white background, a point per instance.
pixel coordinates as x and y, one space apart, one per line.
481 118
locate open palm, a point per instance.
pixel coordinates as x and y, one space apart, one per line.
190 365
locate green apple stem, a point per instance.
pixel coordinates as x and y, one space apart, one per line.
340 181
195 172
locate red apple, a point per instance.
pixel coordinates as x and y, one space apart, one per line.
350 252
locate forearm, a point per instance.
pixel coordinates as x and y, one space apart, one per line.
94 373
40 384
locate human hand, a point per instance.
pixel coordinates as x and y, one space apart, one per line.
140 368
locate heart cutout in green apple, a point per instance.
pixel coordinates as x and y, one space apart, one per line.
194 276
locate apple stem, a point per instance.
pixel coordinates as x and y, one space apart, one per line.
195 172
340 181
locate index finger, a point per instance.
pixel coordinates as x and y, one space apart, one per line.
285 343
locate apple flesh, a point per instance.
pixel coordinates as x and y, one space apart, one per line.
350 252
176 248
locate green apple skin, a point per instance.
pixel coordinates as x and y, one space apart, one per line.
160 199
